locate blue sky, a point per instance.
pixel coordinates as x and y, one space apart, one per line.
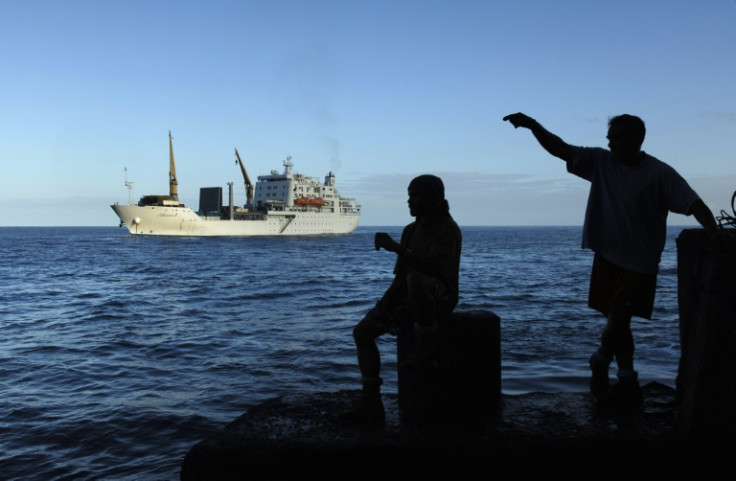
375 91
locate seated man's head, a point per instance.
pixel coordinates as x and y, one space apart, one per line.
427 196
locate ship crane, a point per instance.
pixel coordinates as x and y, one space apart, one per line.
248 184
173 184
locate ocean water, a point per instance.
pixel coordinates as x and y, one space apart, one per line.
119 353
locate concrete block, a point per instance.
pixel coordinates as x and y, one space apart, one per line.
706 381
466 380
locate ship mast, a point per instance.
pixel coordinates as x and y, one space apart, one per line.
173 185
129 185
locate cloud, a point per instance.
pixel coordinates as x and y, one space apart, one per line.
728 117
477 198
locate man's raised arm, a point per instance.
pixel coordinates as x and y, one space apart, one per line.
549 141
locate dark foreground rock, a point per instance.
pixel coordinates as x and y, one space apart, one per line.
549 434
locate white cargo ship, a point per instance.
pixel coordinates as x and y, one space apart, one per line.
285 203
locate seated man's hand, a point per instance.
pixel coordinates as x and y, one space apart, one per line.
384 240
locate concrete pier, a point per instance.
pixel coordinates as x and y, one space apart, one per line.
706 380
687 433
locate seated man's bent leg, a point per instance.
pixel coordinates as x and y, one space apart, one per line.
365 334
370 407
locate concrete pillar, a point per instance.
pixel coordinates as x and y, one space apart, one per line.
706 380
467 378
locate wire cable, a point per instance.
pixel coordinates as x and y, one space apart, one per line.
726 219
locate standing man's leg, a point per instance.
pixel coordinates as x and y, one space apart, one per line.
618 340
619 294
611 287
599 298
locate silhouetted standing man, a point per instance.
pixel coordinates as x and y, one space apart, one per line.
425 287
631 194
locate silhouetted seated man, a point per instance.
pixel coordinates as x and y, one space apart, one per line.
631 194
425 287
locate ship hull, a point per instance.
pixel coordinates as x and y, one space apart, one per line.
183 221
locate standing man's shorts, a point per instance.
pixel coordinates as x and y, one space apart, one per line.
614 289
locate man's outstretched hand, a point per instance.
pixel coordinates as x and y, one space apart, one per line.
384 240
520 120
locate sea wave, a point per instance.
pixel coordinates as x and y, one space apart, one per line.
119 352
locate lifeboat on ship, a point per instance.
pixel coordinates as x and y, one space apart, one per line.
305 201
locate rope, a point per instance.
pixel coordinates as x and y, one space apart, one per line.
726 219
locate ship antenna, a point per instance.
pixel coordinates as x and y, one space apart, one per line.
129 185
